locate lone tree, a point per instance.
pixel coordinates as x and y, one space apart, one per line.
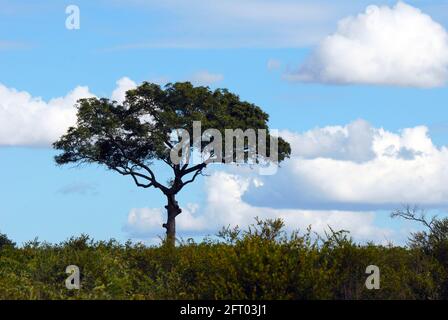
130 137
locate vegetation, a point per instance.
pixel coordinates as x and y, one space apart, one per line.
262 262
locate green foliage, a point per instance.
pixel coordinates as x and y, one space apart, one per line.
263 262
5 241
434 243
129 136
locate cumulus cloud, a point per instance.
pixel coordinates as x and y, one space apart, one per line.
27 120
358 167
397 45
338 176
224 206
353 142
147 222
30 121
123 85
205 78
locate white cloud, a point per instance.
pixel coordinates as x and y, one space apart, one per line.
123 85
26 120
140 221
358 167
224 206
147 222
397 45
205 78
337 176
30 121
352 142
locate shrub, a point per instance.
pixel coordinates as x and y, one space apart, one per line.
263 262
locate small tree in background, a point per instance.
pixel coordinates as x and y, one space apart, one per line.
436 233
433 240
5 241
127 138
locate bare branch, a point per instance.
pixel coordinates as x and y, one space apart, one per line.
152 177
414 213
193 178
193 169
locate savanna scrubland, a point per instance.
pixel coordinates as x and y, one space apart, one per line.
261 262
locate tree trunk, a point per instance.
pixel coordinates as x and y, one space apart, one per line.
173 210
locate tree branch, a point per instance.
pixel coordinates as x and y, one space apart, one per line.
193 169
192 179
153 180
410 213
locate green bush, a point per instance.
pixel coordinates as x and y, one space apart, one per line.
5 241
263 262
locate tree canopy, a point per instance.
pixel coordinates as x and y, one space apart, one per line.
128 137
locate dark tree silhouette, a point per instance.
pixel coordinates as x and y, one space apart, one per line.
5 241
130 136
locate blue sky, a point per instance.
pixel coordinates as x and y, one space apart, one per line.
251 49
